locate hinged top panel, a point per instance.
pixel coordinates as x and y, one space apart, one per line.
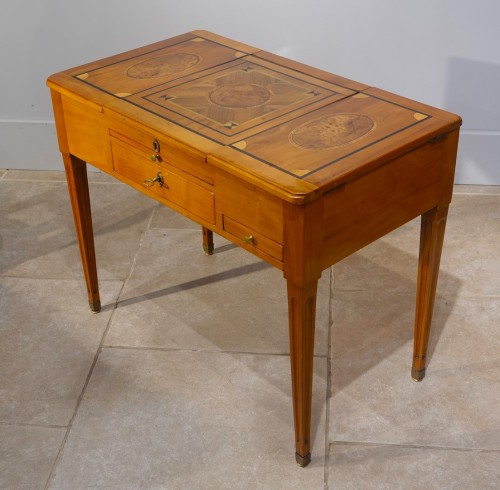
266 116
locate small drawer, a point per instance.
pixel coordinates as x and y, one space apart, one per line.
137 167
246 203
168 151
251 239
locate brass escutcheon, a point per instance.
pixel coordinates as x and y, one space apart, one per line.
156 146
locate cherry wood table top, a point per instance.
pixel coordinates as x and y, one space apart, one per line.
298 129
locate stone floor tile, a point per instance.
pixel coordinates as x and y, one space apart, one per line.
38 237
48 343
391 262
37 175
476 189
27 455
164 217
184 420
373 398
180 298
3 172
57 175
375 467
476 216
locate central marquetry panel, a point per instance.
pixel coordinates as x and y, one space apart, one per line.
238 97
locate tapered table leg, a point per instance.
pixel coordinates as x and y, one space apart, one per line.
76 176
302 313
431 243
208 240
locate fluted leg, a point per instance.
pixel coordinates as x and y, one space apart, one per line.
208 240
302 312
431 243
76 176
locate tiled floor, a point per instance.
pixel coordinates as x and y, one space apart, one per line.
182 381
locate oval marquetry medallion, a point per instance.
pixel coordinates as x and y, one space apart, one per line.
163 65
331 131
240 96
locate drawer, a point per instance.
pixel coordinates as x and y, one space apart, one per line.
246 203
137 168
168 150
250 239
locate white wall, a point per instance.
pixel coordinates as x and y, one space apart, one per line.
442 52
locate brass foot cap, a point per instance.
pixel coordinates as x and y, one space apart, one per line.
209 249
95 306
417 375
303 460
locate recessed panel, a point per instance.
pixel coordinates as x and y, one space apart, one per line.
237 97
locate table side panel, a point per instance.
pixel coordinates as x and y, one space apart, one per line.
86 133
361 211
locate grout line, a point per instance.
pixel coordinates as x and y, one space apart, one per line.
475 194
203 351
27 424
62 180
414 446
94 362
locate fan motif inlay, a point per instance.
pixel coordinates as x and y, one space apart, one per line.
240 96
331 131
163 65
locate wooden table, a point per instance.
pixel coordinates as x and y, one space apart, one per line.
298 166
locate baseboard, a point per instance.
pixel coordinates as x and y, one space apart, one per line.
32 145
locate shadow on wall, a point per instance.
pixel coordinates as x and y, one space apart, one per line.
472 90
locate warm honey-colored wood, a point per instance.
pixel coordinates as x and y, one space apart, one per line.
179 189
76 176
431 243
208 240
302 313
295 165
251 238
303 230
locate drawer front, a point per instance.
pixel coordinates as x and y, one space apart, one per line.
137 167
251 239
168 150
246 203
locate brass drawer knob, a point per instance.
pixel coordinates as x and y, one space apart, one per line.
151 182
155 158
248 239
